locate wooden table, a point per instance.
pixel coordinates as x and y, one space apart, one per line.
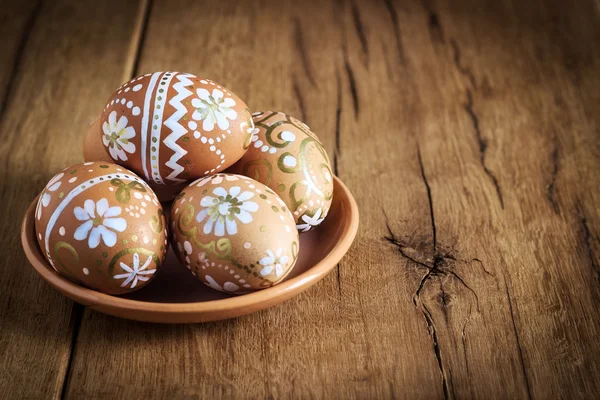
468 133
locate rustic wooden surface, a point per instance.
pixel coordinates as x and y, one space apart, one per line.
468 132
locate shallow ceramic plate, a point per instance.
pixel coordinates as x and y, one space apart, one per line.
176 296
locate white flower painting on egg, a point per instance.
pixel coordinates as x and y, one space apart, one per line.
213 108
202 259
135 273
99 223
222 210
274 262
52 186
117 136
310 222
227 287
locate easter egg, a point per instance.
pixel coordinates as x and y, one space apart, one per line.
101 226
234 233
288 157
172 127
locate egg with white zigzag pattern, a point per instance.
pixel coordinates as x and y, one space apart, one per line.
172 127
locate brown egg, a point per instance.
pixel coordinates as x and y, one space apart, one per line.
93 149
172 127
287 157
235 234
101 226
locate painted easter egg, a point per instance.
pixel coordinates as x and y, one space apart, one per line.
287 157
234 233
101 226
172 127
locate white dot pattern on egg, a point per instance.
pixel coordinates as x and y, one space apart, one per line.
160 127
290 159
233 233
87 235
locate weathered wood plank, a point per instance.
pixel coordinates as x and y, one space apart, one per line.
489 122
70 56
530 131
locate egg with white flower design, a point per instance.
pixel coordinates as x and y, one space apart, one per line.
101 226
234 233
288 157
173 127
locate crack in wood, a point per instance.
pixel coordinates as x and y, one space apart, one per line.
430 200
436 347
482 146
432 270
551 186
338 116
482 266
393 239
443 299
417 295
362 37
300 46
350 77
438 268
587 237
435 29
519 349
461 280
28 27
451 382
337 150
77 311
141 39
352 82
426 313
298 94
466 71
398 35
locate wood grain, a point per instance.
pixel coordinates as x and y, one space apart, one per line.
468 133
65 66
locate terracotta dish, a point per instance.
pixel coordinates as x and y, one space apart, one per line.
175 296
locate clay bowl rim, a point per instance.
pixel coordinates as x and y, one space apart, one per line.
283 291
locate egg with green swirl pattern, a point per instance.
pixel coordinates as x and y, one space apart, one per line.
233 233
285 155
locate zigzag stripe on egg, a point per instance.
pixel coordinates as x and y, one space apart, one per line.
172 127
